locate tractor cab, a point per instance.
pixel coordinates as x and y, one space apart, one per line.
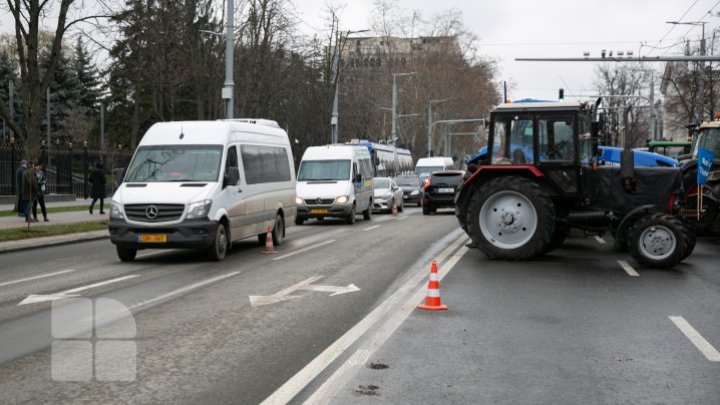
552 137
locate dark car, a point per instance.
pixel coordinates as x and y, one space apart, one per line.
440 190
411 186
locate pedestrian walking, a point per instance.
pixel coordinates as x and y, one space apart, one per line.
19 183
41 181
97 191
29 192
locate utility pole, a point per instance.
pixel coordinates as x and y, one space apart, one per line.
699 102
228 91
431 103
11 90
651 121
102 126
393 133
47 99
336 78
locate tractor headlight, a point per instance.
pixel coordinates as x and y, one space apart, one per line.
199 209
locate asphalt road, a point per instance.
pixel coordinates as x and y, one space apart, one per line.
198 338
574 326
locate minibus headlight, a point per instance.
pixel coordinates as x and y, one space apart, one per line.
299 201
341 200
199 209
116 211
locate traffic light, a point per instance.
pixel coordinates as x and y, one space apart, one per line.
561 94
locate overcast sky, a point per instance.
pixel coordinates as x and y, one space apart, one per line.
541 28
547 28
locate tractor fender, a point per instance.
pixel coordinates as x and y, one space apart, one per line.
631 217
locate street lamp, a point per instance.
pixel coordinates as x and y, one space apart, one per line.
336 78
228 92
701 82
394 105
397 116
431 103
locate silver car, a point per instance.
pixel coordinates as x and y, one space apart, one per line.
386 194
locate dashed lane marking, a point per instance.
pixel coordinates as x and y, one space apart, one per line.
370 228
22 280
628 268
695 338
315 246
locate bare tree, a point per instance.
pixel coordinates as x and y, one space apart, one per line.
35 76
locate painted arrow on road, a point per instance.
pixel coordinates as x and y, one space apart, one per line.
306 285
35 298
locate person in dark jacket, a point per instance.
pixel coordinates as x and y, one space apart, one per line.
19 184
29 192
97 191
41 181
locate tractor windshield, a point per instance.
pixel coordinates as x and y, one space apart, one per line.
710 140
513 140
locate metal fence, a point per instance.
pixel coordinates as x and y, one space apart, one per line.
67 167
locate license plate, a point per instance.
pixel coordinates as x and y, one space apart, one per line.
446 190
319 211
152 238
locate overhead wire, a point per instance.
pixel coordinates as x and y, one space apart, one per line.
673 26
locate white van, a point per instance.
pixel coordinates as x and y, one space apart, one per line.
204 184
425 166
335 181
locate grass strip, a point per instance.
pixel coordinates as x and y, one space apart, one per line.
51 230
50 210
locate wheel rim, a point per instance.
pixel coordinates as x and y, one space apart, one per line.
221 241
508 219
657 242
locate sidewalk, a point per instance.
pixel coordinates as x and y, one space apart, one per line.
78 201
59 218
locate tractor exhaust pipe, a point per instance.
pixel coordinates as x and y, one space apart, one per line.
627 162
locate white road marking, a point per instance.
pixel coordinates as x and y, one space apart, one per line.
600 240
370 228
184 289
33 298
285 256
628 268
340 377
308 373
705 348
305 285
402 217
282 295
57 273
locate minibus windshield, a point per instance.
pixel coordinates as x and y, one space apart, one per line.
167 163
324 170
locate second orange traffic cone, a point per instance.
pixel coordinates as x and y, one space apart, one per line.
433 301
269 248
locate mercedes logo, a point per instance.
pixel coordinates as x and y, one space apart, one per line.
151 212
319 201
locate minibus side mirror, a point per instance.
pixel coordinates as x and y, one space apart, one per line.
358 178
232 177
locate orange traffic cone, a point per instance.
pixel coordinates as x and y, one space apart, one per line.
269 248
394 208
432 301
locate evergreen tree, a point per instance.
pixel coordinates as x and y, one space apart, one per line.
87 74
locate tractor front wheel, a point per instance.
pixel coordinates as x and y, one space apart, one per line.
658 240
512 218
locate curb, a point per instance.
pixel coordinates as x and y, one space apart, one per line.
57 240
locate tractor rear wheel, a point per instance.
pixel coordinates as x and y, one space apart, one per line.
512 218
658 240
